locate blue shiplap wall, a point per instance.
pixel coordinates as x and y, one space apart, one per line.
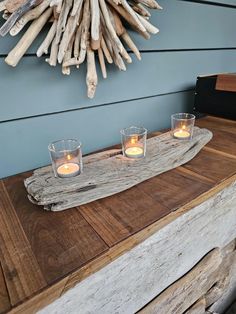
39 104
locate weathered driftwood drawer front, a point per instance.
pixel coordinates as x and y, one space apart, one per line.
201 287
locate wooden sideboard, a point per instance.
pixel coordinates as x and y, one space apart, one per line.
164 246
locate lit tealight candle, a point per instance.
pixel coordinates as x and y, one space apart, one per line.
181 134
134 152
68 170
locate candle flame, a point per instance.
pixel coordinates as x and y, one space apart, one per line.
134 140
68 157
66 166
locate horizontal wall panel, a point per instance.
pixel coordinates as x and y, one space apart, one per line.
35 89
24 142
183 25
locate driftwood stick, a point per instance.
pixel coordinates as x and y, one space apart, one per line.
43 48
70 62
119 29
60 25
102 63
53 53
129 42
59 6
96 44
109 176
106 51
116 2
152 4
139 8
13 5
110 27
17 14
117 22
69 31
128 8
67 57
17 53
129 18
91 78
77 42
84 31
77 4
68 5
149 27
95 20
29 16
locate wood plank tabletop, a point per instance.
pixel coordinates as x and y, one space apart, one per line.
43 254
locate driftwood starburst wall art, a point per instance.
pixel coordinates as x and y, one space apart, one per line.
80 31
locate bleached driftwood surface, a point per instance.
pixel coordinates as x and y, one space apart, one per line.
134 279
206 283
108 173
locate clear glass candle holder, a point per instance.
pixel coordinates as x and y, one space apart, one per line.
134 142
182 125
66 156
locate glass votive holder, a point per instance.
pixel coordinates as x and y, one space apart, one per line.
134 142
66 157
182 125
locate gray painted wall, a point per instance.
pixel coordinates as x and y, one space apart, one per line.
39 104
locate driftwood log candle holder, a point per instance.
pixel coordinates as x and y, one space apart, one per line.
80 29
108 173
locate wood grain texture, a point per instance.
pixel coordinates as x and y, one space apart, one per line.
180 296
43 298
198 308
61 243
116 217
21 270
202 285
5 304
224 134
212 165
222 304
113 174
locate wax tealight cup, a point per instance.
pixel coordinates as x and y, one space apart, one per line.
134 142
182 125
66 157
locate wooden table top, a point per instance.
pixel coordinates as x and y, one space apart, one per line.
43 254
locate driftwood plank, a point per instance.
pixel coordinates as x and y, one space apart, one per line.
103 177
201 286
228 296
181 295
198 308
